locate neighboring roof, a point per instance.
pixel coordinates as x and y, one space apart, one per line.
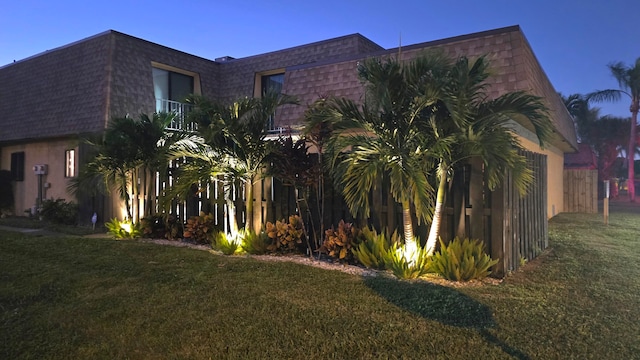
585 158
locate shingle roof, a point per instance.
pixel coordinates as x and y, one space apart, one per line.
513 63
78 87
56 92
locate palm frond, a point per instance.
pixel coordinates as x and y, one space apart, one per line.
608 95
520 106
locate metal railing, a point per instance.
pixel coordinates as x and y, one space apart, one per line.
180 109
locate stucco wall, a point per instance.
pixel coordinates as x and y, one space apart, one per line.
555 167
51 153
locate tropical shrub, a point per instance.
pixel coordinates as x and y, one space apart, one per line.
372 250
255 243
161 227
402 267
125 229
59 211
200 228
225 244
339 242
285 237
462 260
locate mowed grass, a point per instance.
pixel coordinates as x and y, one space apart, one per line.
78 298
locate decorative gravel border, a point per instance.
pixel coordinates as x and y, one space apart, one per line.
329 265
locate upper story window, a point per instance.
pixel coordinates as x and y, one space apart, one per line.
171 87
272 81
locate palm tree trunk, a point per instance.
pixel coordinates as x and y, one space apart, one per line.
631 154
304 228
249 201
410 244
122 179
434 230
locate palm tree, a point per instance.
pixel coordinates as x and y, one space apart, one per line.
317 131
628 78
236 135
154 143
465 123
607 136
127 148
384 136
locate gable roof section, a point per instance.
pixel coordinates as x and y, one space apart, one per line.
514 65
238 75
131 80
57 92
77 88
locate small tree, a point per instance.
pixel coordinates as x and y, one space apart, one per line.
291 163
234 143
128 148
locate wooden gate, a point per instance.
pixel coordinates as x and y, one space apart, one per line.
581 191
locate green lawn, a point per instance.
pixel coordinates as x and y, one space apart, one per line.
77 298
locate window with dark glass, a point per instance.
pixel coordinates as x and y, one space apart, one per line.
170 88
271 83
17 166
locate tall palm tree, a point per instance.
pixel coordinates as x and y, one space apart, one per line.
384 136
236 135
628 78
465 123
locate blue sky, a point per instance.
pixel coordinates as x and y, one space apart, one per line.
573 40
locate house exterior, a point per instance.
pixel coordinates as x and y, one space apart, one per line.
50 101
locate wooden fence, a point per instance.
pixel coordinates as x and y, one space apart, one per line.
581 191
520 223
513 227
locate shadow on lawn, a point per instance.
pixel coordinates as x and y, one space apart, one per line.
442 304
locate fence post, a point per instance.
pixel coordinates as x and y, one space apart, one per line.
606 202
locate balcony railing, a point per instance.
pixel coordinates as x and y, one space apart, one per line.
180 109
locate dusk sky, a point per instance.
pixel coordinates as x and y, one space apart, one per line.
573 40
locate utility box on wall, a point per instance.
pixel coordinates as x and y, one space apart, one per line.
40 169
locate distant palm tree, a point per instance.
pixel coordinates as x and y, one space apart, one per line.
465 123
234 140
628 78
606 136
